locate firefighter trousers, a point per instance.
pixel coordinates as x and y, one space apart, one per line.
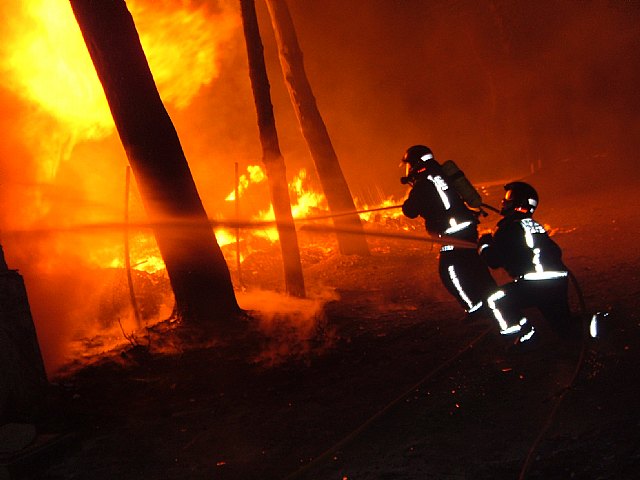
466 276
550 297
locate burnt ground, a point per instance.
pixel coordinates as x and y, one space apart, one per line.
386 380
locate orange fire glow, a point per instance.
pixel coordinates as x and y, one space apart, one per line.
72 165
175 40
304 200
66 167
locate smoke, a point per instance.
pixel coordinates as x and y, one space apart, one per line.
497 86
291 327
494 85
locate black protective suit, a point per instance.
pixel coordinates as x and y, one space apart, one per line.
523 248
445 214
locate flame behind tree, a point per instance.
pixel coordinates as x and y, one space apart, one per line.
196 267
315 132
272 157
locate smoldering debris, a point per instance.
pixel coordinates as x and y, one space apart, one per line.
291 327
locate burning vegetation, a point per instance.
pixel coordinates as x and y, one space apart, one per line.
68 224
81 233
115 263
64 217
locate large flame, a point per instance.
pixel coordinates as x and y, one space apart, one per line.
46 62
65 166
304 199
61 163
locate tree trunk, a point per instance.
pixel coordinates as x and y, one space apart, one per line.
272 158
315 133
23 379
197 269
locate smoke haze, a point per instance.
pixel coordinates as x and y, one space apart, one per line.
500 87
494 85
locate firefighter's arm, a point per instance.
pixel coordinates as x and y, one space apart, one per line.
410 206
488 252
484 242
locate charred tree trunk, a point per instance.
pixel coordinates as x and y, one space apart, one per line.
197 269
351 239
23 379
272 157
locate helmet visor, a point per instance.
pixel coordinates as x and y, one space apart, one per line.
506 206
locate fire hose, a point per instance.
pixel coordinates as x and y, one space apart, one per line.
385 234
389 406
390 207
549 421
534 446
241 224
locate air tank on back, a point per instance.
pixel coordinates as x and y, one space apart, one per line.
462 185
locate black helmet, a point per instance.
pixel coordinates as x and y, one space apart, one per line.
519 197
415 159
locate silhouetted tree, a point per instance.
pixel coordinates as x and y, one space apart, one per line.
197 270
23 379
271 155
315 133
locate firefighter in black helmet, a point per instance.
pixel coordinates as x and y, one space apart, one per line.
523 248
446 215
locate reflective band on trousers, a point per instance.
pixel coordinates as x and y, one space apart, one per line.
528 335
491 301
461 292
505 329
544 275
593 326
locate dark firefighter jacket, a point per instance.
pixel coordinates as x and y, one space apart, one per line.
523 248
444 212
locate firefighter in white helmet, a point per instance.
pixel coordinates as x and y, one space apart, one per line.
523 248
446 215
